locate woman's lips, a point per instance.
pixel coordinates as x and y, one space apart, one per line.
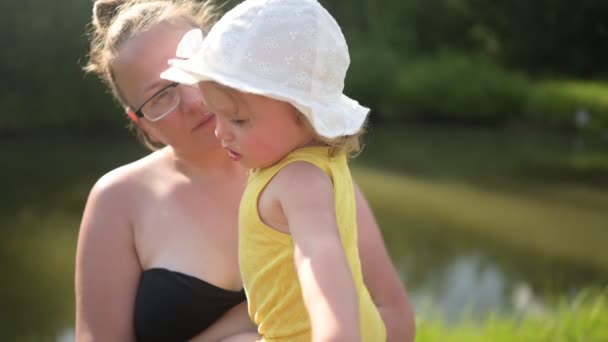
205 121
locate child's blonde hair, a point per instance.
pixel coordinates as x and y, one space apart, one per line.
348 144
117 21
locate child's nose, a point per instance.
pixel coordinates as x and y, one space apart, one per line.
222 129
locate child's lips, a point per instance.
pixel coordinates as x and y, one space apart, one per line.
233 155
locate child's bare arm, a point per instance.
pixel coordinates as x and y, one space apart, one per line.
306 196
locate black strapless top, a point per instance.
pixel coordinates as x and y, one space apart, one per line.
172 306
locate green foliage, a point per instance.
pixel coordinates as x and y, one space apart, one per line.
41 64
464 88
448 86
542 37
400 67
421 27
371 80
547 36
556 102
460 87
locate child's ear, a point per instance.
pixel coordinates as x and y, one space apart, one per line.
131 114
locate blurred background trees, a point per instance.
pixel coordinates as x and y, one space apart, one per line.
489 61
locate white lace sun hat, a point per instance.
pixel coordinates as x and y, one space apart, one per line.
289 50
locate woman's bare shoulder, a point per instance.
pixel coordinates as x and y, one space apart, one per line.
121 188
117 197
132 175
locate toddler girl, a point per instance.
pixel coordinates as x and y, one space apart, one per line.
273 73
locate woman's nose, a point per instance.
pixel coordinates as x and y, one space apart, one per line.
191 99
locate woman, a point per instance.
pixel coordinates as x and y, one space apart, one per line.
157 251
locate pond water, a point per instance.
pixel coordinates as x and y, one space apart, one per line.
477 221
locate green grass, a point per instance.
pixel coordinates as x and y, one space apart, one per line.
583 320
533 221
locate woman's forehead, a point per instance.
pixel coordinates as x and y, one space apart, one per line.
158 43
140 60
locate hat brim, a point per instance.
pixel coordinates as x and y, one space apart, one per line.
340 116
180 72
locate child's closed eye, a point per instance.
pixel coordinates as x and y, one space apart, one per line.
239 122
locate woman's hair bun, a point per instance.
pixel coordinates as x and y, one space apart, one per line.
104 12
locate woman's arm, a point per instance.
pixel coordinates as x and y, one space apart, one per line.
107 267
381 278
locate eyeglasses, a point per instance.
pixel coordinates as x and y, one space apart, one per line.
161 104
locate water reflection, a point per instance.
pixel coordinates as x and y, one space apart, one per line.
471 286
68 335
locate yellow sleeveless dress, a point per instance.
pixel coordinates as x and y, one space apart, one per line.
267 263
